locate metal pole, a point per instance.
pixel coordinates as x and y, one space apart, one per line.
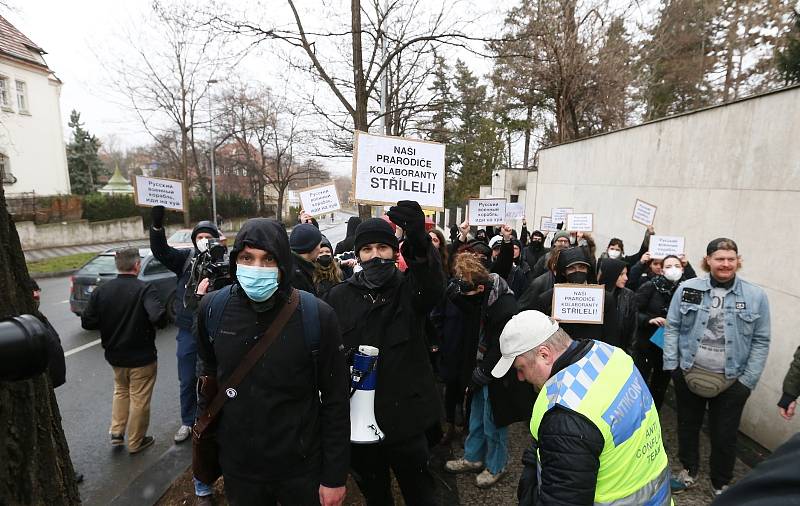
213 150
384 79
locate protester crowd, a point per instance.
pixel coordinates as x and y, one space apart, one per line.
465 346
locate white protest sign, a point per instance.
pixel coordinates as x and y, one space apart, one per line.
515 211
548 225
389 169
320 199
154 191
578 303
580 222
663 245
559 214
487 212
644 213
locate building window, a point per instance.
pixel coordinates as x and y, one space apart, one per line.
22 96
5 170
4 99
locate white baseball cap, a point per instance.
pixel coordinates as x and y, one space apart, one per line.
494 240
524 332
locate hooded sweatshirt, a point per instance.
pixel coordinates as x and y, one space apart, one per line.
273 428
619 329
346 244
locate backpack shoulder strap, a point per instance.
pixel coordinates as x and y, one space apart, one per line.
309 309
215 309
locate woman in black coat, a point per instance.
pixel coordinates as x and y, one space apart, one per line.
652 303
620 331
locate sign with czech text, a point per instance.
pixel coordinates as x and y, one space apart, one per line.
483 212
155 191
663 245
644 213
320 199
580 222
389 169
559 214
578 303
515 211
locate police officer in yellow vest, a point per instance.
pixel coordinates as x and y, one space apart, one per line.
597 437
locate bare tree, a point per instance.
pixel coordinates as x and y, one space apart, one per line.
349 62
166 84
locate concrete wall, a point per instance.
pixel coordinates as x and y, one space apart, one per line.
75 233
726 171
33 140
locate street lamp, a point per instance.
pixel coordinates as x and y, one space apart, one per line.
213 149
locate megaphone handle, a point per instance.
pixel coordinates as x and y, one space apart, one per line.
362 376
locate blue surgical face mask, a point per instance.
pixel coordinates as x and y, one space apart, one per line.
259 283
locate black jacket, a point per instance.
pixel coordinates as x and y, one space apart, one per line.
347 243
652 301
392 318
126 311
520 277
179 262
569 451
303 275
530 299
277 426
511 400
533 255
621 330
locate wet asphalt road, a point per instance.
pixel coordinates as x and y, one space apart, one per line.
85 399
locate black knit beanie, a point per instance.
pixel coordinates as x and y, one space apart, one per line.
305 237
375 230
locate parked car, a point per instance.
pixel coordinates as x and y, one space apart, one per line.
101 268
181 238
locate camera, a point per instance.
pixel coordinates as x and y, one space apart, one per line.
213 263
23 348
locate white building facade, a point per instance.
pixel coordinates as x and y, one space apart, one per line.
32 151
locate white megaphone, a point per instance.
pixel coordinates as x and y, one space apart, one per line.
363 426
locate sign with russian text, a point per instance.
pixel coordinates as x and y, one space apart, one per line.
664 245
389 169
155 191
559 214
580 222
487 212
515 211
320 199
644 213
548 225
578 303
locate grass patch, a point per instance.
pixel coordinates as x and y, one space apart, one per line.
58 264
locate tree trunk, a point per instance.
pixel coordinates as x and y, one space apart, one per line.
187 219
360 119
528 118
35 467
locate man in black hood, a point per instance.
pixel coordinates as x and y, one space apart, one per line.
346 244
284 435
535 249
179 261
574 267
385 308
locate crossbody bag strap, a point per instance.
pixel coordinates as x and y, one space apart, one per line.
248 362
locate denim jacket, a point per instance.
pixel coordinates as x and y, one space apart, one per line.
747 329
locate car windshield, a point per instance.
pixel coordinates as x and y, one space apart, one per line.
100 264
180 236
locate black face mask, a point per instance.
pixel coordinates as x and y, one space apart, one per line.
378 271
537 245
324 260
577 278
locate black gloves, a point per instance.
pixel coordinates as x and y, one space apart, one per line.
408 215
157 215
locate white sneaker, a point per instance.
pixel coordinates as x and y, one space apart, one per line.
486 479
716 492
463 466
183 434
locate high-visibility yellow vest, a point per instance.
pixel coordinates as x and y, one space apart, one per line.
606 387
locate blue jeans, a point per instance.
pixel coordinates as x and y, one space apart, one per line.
201 489
485 443
187 360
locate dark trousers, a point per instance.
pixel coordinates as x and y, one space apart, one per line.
409 461
187 361
649 360
453 397
300 491
724 415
